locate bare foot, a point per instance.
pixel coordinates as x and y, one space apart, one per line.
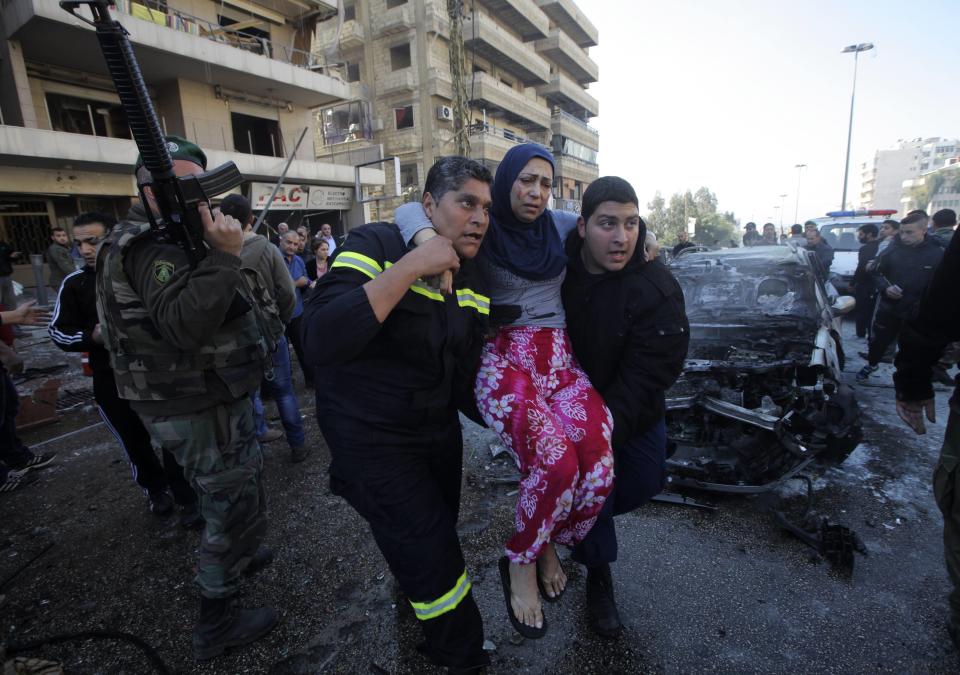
524 596
552 576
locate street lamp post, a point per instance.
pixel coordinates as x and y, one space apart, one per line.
796 208
783 199
856 49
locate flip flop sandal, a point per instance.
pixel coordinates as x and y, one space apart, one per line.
543 588
530 632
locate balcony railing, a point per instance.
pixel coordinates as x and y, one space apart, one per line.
573 119
160 14
478 128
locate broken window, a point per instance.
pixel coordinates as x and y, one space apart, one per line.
256 135
346 122
86 116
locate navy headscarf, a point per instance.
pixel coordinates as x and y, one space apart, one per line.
529 250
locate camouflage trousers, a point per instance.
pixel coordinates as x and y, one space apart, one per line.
946 490
220 456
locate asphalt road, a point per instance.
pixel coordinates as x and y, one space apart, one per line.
722 591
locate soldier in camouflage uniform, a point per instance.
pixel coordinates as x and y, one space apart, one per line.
187 352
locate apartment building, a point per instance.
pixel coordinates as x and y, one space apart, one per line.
883 178
236 77
934 190
527 69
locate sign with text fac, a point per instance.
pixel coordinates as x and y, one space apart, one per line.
301 197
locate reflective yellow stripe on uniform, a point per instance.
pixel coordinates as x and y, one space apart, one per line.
448 601
359 262
467 297
370 267
427 292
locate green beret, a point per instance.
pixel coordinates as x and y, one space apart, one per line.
181 148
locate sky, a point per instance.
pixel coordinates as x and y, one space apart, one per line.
732 94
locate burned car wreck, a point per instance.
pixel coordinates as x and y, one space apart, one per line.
760 397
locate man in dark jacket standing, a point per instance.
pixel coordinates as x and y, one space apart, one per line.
629 330
76 328
863 289
921 342
901 275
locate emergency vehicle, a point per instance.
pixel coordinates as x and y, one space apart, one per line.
839 229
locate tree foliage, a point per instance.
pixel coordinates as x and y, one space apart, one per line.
667 218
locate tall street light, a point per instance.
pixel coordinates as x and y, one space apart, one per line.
796 208
783 199
856 49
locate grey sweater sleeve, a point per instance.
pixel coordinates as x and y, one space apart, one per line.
411 218
565 222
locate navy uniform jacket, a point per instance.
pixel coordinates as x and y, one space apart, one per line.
409 374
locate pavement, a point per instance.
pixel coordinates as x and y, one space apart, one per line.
724 591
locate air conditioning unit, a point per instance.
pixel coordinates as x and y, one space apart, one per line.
444 112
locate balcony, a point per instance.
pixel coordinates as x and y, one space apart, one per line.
498 46
27 147
568 18
168 46
397 20
494 96
352 35
569 96
488 142
397 82
576 169
435 17
522 15
563 51
568 126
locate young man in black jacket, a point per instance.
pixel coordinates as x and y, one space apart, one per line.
628 326
76 328
922 341
863 288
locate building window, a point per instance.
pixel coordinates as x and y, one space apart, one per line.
395 3
408 175
400 57
564 146
404 117
256 135
507 82
346 122
349 12
86 116
353 72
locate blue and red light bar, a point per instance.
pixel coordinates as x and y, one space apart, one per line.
862 212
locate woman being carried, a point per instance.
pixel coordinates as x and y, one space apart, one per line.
530 389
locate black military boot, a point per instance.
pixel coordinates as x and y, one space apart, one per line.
602 615
223 624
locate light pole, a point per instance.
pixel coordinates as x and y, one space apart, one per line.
796 209
856 49
783 199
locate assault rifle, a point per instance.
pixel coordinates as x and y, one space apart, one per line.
178 199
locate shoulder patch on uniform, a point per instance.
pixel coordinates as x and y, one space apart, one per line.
162 271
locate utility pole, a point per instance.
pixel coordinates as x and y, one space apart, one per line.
796 208
856 49
461 108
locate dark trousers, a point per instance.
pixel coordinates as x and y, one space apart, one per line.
641 469
13 452
294 336
946 490
886 328
135 441
866 297
408 490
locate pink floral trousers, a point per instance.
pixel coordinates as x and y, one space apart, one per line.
531 391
